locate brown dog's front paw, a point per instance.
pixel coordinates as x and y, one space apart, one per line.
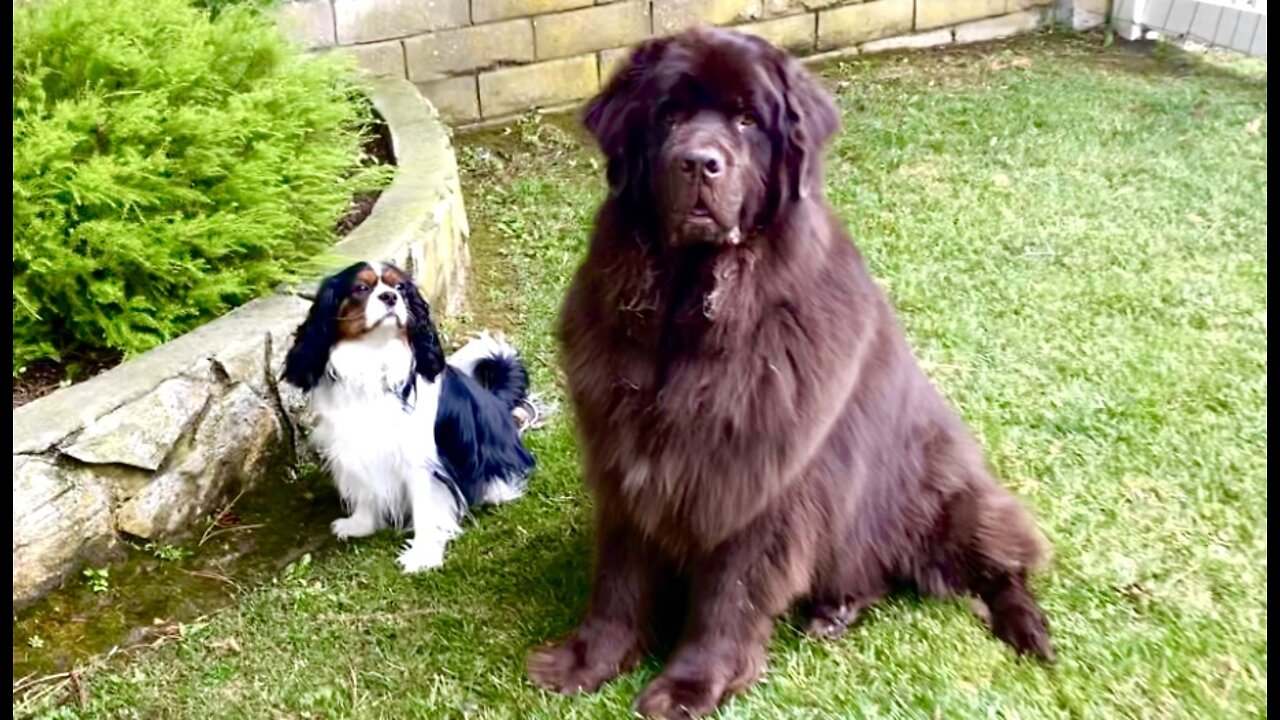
563 669
673 697
579 664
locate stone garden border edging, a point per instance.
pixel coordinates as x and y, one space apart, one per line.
152 445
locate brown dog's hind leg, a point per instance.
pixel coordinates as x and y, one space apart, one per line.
983 542
1014 615
991 546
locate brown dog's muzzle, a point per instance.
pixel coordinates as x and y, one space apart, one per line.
701 182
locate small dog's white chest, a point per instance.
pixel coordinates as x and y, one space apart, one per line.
374 415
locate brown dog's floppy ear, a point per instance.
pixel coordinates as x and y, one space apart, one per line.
811 120
611 114
607 114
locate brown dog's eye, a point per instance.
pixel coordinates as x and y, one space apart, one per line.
747 120
360 288
669 114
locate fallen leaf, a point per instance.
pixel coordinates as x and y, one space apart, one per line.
226 645
227 518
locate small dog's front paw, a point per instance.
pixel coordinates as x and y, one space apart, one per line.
350 527
420 556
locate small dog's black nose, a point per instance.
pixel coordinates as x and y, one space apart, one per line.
388 297
706 162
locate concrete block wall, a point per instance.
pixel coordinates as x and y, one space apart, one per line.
485 60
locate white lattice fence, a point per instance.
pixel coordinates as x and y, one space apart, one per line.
1239 25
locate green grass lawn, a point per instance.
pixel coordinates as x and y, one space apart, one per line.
1075 239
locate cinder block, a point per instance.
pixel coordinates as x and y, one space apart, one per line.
937 13
452 51
310 23
844 26
383 59
590 29
361 21
611 61
672 16
822 58
1085 14
933 38
483 11
774 8
998 27
456 98
796 33
511 90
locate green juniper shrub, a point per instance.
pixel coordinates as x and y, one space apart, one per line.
168 166
216 7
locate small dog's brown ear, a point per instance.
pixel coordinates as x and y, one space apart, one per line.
811 120
308 358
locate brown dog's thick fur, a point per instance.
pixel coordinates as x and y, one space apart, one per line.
755 429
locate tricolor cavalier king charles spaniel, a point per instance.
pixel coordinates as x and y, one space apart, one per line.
403 431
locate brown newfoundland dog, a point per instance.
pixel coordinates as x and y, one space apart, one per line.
755 429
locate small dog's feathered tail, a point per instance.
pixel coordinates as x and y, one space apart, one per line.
477 430
493 362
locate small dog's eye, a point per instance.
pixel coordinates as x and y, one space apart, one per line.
361 288
747 120
400 287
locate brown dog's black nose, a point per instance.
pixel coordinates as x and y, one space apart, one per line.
702 161
388 297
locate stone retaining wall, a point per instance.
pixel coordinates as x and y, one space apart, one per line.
486 60
149 448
